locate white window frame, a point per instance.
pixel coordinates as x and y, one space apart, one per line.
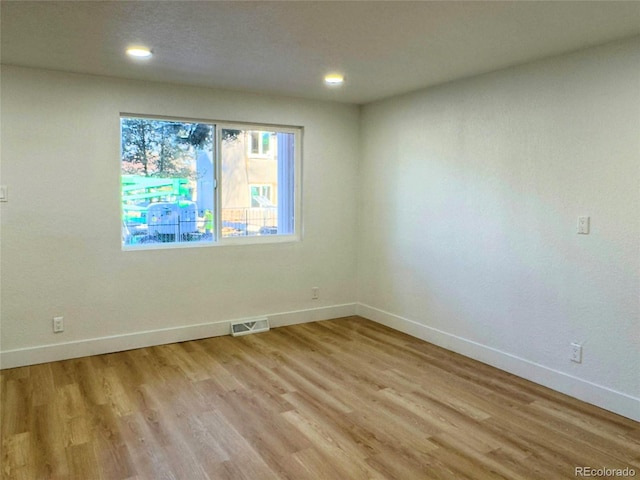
218 239
297 171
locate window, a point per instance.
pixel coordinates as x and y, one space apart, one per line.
196 183
260 196
257 192
260 144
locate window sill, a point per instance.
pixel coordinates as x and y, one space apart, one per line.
223 242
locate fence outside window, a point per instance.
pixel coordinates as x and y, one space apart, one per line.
236 222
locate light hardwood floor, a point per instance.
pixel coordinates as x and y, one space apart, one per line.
339 399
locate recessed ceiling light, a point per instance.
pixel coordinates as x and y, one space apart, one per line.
334 79
139 52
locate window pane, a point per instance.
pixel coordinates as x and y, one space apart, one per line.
266 137
167 181
255 143
257 192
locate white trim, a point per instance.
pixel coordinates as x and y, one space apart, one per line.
584 390
116 343
601 396
256 240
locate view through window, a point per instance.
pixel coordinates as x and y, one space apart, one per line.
175 190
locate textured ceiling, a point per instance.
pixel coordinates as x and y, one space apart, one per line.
384 48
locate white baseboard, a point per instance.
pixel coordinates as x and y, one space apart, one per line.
584 390
117 343
612 400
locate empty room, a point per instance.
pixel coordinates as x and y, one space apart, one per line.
319 240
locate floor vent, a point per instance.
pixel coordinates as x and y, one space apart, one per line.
249 326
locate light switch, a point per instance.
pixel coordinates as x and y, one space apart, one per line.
4 193
583 225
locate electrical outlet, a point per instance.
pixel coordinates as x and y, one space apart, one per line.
583 225
58 324
576 352
315 293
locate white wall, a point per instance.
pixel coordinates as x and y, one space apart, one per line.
60 250
470 198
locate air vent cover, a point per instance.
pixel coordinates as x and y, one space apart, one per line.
246 327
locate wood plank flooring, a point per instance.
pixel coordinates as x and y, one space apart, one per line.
339 399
